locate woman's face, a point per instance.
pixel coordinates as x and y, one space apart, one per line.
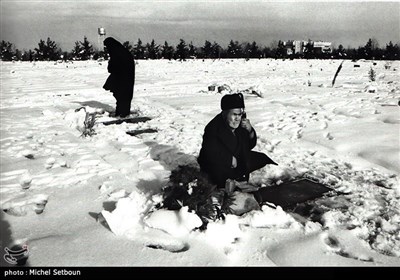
234 117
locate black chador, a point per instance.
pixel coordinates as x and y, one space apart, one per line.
121 80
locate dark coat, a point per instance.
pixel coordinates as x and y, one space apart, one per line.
219 145
121 67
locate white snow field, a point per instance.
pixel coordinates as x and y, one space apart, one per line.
55 183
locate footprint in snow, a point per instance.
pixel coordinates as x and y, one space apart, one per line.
328 136
297 135
334 246
231 250
20 207
311 152
324 125
173 246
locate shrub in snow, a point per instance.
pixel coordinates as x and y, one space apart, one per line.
189 187
88 123
83 119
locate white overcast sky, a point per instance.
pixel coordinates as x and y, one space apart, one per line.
350 23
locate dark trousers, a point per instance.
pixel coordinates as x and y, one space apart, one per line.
123 102
123 108
256 160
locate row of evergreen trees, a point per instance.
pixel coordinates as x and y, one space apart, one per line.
84 50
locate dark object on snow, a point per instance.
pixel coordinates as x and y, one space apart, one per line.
337 73
140 131
222 88
128 120
211 88
121 67
256 93
356 65
169 247
289 194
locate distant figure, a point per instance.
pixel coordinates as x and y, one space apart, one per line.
121 67
227 143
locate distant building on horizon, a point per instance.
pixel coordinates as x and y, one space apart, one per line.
322 47
298 46
289 46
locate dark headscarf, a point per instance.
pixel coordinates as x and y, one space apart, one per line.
113 46
121 60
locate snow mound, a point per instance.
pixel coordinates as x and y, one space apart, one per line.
177 223
223 232
75 119
270 218
127 217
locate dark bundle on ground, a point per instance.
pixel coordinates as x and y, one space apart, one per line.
188 186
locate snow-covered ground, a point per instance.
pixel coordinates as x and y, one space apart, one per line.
55 183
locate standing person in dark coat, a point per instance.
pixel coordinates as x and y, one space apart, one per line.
121 80
228 140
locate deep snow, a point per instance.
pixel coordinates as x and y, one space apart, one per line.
55 183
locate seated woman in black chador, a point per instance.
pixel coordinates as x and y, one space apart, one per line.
121 80
227 143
